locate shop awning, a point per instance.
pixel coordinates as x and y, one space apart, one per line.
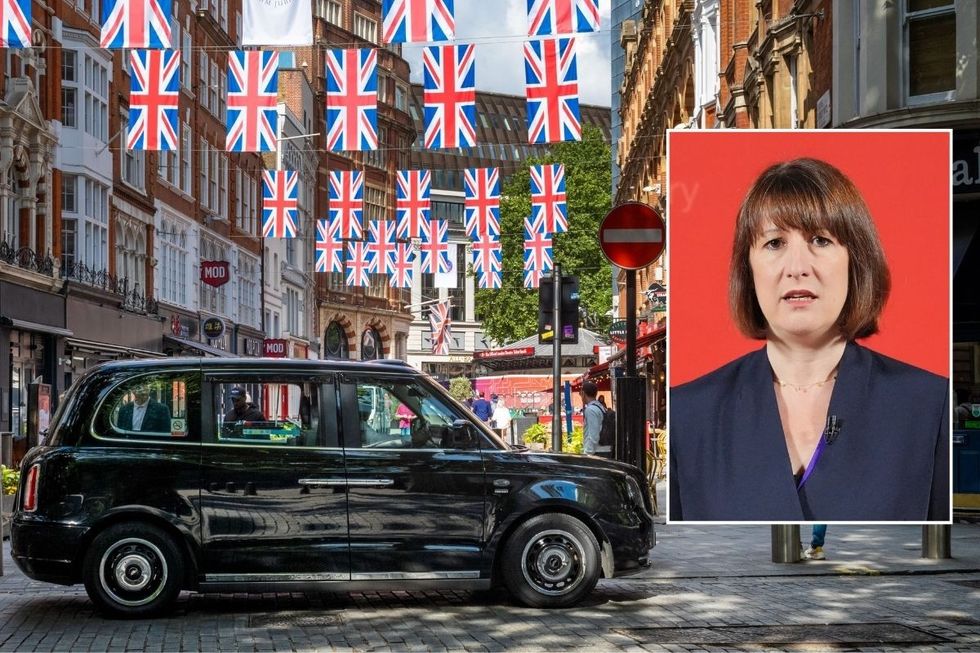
199 347
24 325
600 373
95 347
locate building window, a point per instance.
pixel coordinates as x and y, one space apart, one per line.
133 161
331 11
69 92
366 28
335 343
930 48
96 99
69 191
85 231
248 290
371 345
172 255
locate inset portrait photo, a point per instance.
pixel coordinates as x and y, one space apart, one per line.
809 326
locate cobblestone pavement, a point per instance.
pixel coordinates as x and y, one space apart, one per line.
901 610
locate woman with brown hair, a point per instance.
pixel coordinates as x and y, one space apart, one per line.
812 426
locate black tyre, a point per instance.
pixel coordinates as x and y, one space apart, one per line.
551 561
133 570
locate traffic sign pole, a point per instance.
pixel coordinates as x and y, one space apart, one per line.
632 236
556 329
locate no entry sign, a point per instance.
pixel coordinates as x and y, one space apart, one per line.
632 235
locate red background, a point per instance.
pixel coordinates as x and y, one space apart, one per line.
905 180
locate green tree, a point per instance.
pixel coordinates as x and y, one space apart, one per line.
460 388
511 313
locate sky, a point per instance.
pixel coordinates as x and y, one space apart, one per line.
499 30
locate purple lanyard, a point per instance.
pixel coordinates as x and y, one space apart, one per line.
813 462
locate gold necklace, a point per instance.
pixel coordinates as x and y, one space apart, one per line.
806 386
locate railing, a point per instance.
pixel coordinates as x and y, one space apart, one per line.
27 258
133 299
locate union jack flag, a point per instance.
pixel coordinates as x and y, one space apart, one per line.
136 24
153 95
418 21
552 91
357 264
482 202
329 247
352 99
381 246
449 96
440 325
347 202
280 203
435 247
537 252
401 273
548 197
253 89
548 17
487 261
15 24
412 202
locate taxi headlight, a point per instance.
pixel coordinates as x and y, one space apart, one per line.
634 492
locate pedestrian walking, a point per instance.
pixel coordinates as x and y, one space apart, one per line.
593 414
817 537
482 408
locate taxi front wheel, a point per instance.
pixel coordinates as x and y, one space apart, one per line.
551 561
133 570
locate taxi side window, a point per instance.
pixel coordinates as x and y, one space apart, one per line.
164 406
401 414
268 414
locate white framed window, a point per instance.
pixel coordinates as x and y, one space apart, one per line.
172 254
247 203
293 309
213 88
366 28
248 289
133 161
186 55
186 180
331 11
69 89
96 98
85 221
131 256
929 30
202 73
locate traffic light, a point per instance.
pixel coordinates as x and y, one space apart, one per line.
569 310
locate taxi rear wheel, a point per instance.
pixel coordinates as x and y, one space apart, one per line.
133 570
551 561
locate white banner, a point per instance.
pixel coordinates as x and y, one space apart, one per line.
277 22
448 279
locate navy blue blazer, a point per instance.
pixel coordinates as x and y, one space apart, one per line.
889 461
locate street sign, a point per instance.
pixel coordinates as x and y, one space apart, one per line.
274 348
632 235
215 273
213 327
617 331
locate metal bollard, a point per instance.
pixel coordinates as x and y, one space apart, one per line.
7 448
936 541
785 542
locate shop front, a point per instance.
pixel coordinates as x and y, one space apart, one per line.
966 321
33 331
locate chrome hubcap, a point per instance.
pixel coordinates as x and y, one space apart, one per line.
133 572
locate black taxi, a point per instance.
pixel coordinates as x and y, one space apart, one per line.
238 475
